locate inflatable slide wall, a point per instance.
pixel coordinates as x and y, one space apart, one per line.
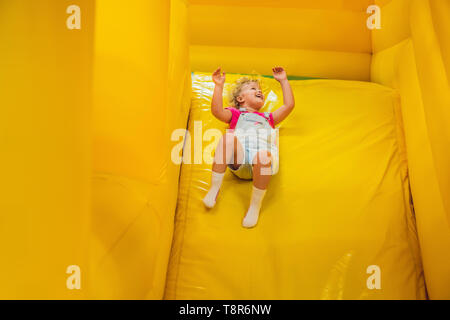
107 139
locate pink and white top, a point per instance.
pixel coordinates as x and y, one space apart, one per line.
235 115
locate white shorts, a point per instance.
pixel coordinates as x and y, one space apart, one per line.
245 170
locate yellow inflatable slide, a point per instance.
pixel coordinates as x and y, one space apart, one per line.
107 140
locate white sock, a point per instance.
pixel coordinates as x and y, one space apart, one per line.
251 219
216 182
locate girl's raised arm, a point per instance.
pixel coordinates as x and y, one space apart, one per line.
217 100
288 97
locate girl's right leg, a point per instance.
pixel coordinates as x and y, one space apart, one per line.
262 172
228 151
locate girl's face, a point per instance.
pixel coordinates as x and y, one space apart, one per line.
252 96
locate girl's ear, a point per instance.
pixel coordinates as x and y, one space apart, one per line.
240 99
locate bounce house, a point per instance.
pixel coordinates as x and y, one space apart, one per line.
107 131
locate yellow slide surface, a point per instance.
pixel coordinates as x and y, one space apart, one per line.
338 209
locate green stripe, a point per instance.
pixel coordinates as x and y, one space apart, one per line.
295 78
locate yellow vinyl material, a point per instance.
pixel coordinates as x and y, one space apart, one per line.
125 68
318 64
395 17
353 5
339 204
260 27
133 190
45 97
440 11
431 217
414 60
385 64
323 39
179 68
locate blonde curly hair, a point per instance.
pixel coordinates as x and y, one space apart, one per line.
237 88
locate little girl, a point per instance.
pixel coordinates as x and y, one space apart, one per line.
248 147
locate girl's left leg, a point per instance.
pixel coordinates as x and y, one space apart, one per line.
262 172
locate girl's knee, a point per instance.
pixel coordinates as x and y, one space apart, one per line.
263 158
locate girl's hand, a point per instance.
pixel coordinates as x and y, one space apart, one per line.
279 74
218 77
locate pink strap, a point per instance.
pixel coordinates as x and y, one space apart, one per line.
235 114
